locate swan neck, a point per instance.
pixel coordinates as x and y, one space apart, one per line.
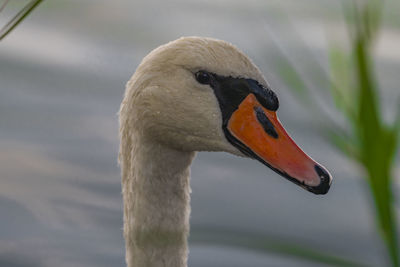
157 206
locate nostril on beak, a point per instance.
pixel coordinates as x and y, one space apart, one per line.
326 180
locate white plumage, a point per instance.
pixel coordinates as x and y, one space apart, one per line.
165 117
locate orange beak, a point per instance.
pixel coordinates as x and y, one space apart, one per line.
263 137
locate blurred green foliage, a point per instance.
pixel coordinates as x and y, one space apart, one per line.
355 92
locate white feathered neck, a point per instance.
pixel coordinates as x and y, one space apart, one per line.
166 116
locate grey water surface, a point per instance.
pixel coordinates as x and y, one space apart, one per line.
62 77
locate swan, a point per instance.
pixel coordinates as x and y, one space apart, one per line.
194 94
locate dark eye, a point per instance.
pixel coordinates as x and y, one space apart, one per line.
203 77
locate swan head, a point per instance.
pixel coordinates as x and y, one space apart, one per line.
203 94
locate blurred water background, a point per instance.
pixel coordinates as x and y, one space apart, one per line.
62 77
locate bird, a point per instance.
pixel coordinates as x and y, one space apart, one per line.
194 94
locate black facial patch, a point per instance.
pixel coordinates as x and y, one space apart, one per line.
265 96
265 122
232 91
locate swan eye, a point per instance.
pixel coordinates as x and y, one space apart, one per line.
203 77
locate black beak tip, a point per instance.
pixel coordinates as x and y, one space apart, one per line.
325 184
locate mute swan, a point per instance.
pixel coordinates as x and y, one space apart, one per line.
194 94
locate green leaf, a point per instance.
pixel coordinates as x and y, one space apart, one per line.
377 142
355 92
380 181
342 86
21 15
